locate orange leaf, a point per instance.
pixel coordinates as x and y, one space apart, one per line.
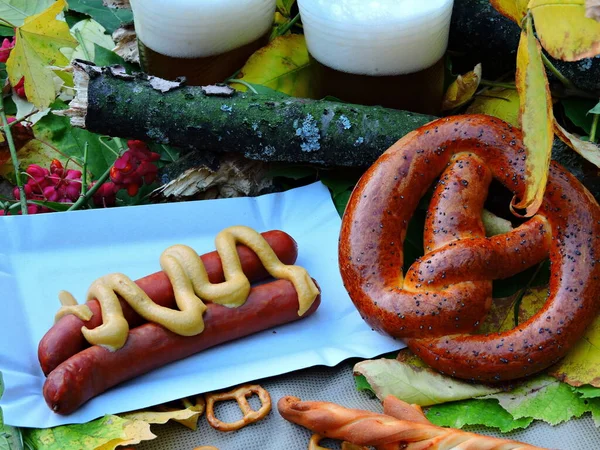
537 119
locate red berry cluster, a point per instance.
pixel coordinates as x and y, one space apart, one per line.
7 45
55 185
134 168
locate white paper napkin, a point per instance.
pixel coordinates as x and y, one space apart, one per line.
42 254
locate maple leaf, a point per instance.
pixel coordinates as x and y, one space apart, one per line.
37 52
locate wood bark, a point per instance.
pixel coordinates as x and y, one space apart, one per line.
260 127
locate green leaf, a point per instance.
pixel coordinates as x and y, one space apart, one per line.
15 11
106 433
542 398
340 201
285 7
106 57
362 384
109 18
6 31
577 110
475 412
588 391
595 109
58 132
90 34
416 385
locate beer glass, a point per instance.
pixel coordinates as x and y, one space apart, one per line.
204 40
379 52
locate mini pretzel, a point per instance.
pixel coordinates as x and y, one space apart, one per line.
447 293
240 395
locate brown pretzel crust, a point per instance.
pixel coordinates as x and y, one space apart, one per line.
437 313
383 431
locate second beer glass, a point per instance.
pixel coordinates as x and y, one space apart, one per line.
379 52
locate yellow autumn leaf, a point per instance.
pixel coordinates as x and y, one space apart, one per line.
283 65
501 316
564 30
498 102
187 414
582 363
135 431
37 52
537 118
513 9
587 149
462 89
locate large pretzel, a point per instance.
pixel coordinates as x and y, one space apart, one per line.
447 292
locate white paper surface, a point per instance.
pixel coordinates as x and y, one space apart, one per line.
42 254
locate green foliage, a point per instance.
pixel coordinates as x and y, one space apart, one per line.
16 11
109 18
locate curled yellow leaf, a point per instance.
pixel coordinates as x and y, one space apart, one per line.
564 30
588 150
462 89
513 9
537 119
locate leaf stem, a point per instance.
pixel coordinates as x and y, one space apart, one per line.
498 85
13 155
7 23
564 80
242 82
25 117
594 128
84 171
84 49
84 198
288 26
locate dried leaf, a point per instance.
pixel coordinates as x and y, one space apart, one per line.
498 102
536 118
582 363
283 65
125 38
37 49
564 30
462 89
513 9
592 9
182 411
587 149
416 385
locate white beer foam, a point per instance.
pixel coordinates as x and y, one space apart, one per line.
376 37
201 28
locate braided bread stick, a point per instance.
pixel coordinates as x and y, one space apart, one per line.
411 431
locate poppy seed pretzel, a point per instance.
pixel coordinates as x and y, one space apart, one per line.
446 294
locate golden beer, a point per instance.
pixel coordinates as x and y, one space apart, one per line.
204 40
379 52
